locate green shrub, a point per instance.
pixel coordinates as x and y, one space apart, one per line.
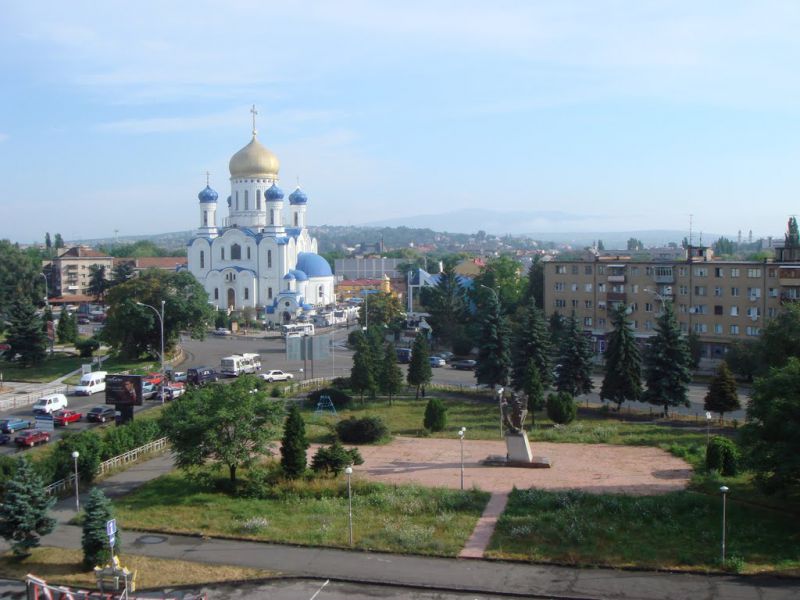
722 455
561 408
87 347
334 458
341 383
275 392
90 447
366 430
435 415
340 400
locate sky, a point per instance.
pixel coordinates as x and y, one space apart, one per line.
591 115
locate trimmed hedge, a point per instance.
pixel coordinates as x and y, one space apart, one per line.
561 408
366 430
435 415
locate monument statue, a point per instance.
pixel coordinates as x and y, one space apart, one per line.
514 413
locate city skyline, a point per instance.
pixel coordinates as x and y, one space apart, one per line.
602 116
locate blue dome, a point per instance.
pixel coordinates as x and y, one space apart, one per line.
313 265
299 275
274 193
207 195
298 196
289 276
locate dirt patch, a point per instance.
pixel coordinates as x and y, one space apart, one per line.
596 468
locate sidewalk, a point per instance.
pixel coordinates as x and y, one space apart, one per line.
474 575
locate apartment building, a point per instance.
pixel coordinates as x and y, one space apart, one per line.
68 275
721 301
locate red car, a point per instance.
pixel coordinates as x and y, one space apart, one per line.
31 438
154 378
65 417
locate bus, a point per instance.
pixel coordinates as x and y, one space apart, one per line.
297 329
239 364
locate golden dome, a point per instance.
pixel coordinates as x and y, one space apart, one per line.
254 160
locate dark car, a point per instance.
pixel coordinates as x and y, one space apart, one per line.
31 438
201 375
4 438
14 424
463 365
101 414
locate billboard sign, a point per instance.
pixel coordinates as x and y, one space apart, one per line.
125 390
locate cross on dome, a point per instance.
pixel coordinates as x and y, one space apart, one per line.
254 112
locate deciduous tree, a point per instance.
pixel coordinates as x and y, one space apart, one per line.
98 284
224 425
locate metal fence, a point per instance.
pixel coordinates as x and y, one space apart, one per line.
30 398
112 463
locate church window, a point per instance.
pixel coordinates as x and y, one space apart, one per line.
237 200
205 218
246 293
246 201
258 199
321 291
236 252
269 293
202 259
296 219
272 217
269 259
222 253
216 293
248 253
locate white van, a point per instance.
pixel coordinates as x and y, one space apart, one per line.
91 383
49 404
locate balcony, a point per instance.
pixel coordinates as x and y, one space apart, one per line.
617 297
664 278
616 278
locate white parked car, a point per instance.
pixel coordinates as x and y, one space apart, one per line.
276 375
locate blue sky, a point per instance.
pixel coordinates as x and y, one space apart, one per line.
623 115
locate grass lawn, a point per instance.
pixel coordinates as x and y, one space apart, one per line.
679 530
62 363
391 518
61 566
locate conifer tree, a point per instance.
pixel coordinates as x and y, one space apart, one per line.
48 244
575 357
23 515
531 343
25 335
494 345
435 415
294 444
94 540
46 318
58 242
623 376
722 396
419 369
63 329
667 364
391 377
361 375
534 390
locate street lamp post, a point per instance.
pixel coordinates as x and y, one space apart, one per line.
500 391
349 472
160 316
708 428
46 292
724 491
75 455
461 433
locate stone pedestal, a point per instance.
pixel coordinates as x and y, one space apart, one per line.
519 449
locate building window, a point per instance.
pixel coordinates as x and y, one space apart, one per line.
574 303
574 269
601 322
734 272
683 290
236 252
771 273
272 217
719 272
587 287
753 331
648 307
601 270
682 271
296 219
753 273
754 293
700 328
718 291
248 253
700 272
269 259
237 200
734 311
246 201
222 253
574 287
735 292
205 218
601 288
718 328
648 325
559 286
560 303
258 199
718 309
246 293
587 304
202 259
561 269
734 330
269 293
587 270
634 271
772 312
699 290
587 321
216 293
773 292
322 291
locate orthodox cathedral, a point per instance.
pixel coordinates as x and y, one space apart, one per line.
262 254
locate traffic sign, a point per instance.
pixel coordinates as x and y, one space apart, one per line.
111 540
111 527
